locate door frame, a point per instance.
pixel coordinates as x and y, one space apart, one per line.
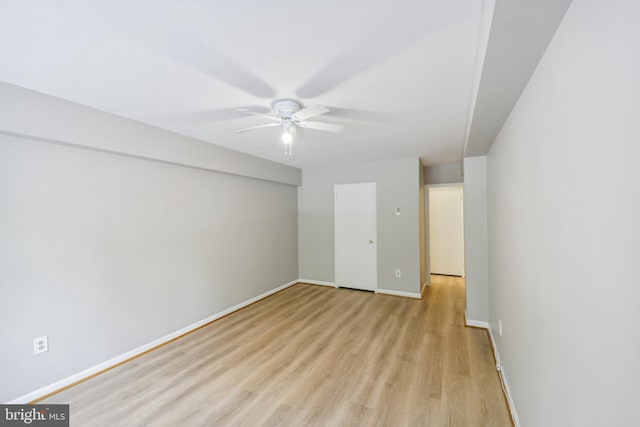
375 230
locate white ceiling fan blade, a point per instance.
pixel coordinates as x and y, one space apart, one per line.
194 51
327 127
309 112
268 125
253 113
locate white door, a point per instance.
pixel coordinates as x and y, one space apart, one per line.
355 236
446 239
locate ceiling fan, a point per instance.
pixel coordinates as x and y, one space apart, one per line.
289 114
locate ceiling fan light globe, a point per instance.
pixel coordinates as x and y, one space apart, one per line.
287 138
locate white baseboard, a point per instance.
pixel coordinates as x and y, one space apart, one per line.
475 323
132 353
317 282
505 383
399 293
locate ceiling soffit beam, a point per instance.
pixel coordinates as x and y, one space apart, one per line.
520 32
32 115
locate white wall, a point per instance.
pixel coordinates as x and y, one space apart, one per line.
105 252
475 238
398 247
564 229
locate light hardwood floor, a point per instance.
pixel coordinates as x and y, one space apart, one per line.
310 355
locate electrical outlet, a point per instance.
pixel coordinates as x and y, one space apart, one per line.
500 327
40 345
398 273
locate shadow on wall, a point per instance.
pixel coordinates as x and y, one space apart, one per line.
447 173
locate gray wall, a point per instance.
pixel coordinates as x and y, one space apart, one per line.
425 277
427 237
446 173
475 238
564 209
397 183
104 252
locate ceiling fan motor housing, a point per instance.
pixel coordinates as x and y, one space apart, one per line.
286 108
289 114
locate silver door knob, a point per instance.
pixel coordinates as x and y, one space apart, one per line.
370 241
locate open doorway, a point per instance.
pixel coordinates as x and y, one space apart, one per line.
446 230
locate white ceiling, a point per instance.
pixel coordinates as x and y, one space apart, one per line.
397 74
